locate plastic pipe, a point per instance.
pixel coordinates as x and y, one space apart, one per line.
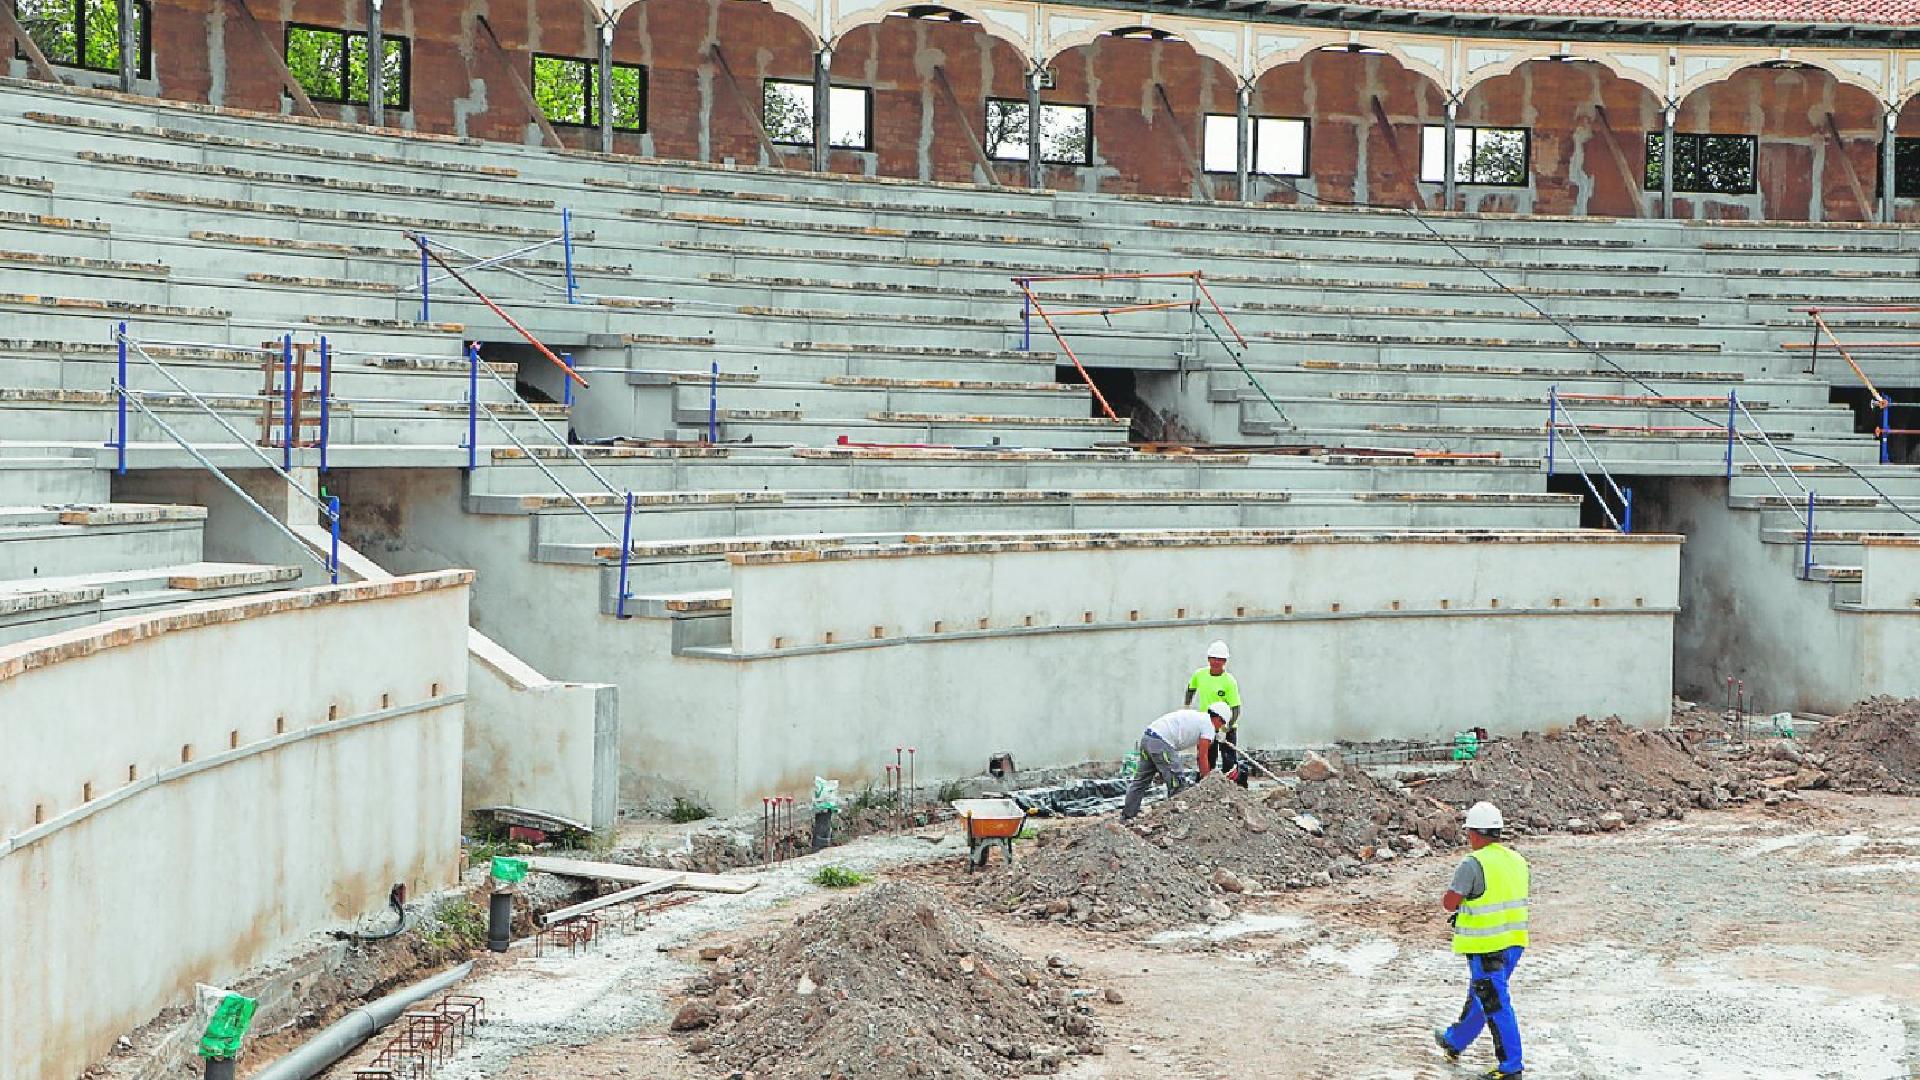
339 1040
500 921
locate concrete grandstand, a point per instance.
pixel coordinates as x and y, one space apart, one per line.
695 435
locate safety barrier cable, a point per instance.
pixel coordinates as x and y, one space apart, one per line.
1572 334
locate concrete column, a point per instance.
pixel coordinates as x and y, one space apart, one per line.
1447 155
822 108
1033 126
1242 141
605 87
1888 188
376 68
129 48
1666 161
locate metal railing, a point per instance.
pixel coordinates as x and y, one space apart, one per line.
1822 330
502 263
1737 437
125 395
1581 452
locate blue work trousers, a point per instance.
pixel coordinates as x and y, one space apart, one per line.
1489 1006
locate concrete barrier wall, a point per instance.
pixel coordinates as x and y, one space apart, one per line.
1496 630
194 790
539 744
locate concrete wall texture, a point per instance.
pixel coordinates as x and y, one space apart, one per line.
177 790
930 77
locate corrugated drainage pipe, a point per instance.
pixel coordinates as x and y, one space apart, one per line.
339 1039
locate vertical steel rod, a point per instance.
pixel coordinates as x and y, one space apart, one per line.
566 385
626 546
120 395
1553 423
473 406
1026 318
326 398
1807 556
1886 421
426 288
1626 513
287 423
333 551
566 236
713 404
1733 404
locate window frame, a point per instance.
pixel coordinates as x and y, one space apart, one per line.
405 43
1253 125
865 146
1913 142
142 45
1700 137
1473 145
592 66
1086 157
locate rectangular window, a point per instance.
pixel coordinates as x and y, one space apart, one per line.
1906 168
1481 155
331 65
1705 164
1066 132
84 33
787 112
567 90
1279 145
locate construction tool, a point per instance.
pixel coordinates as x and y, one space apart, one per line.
1244 757
990 823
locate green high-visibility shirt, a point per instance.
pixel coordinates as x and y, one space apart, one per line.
1208 688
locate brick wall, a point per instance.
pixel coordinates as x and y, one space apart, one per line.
1819 138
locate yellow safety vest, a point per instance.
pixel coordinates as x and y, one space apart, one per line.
1497 918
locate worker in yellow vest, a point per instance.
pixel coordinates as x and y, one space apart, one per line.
1488 898
1211 685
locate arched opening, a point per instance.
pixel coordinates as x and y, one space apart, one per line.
707 64
1586 137
1815 142
1363 112
1148 94
1906 162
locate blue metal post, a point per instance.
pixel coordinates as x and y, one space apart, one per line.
120 396
1626 510
1806 559
566 243
713 405
426 303
1733 403
1886 421
473 406
333 521
286 402
566 384
626 550
326 398
1026 318
1553 423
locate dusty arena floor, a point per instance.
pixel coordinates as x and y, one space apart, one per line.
1737 943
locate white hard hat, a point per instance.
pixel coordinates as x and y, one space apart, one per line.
1221 711
1217 651
1484 816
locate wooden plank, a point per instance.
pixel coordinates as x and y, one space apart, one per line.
520 88
11 30
640 875
621 897
275 62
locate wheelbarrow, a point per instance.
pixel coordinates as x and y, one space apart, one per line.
990 823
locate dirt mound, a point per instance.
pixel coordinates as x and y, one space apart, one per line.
887 984
1596 774
1872 747
1219 826
1103 876
1363 815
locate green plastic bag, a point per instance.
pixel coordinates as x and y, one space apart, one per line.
826 795
1466 746
508 870
1130 765
231 1019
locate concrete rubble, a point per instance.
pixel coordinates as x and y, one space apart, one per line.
893 982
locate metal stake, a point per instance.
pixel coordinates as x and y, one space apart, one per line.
120 395
626 548
286 402
326 398
473 406
333 551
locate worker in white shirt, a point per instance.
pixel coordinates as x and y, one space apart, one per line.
1162 743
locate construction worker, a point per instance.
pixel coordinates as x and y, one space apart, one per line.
1163 741
1488 899
1212 684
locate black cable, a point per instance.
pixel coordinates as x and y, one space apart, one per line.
1574 335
